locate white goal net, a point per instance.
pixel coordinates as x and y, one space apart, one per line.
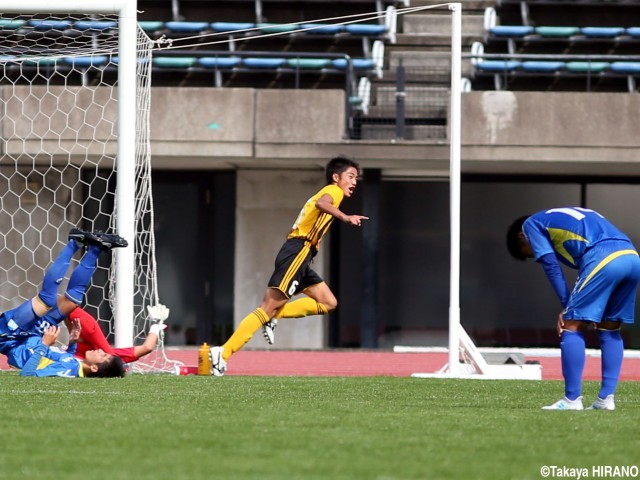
59 81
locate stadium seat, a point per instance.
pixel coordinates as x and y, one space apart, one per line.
358 63
49 24
94 25
634 32
602 32
219 62
86 62
497 65
511 30
321 28
584 67
365 29
11 23
625 67
309 63
561 32
174 62
541 66
186 27
151 27
231 26
263 63
276 28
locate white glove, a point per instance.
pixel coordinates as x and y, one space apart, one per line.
157 314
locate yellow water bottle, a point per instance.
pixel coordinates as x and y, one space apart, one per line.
204 362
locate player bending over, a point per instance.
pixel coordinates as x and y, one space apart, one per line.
603 296
293 273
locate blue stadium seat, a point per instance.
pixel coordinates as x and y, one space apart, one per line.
86 62
497 65
625 67
186 27
634 32
263 63
602 32
321 28
365 29
231 26
219 62
541 66
98 25
511 30
50 24
358 63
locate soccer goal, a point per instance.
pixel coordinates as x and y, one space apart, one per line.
75 99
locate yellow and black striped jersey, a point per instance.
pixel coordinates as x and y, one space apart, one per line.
312 223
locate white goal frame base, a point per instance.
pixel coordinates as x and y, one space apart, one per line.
476 367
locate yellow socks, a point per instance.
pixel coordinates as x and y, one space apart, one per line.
301 308
248 326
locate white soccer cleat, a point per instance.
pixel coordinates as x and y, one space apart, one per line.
268 331
218 364
606 404
566 404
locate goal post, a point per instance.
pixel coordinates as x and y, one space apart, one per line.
75 151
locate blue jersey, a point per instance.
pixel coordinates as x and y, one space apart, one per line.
46 362
569 233
12 335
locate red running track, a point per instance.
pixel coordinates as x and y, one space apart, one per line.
367 363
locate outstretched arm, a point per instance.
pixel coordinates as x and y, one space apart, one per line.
157 314
325 204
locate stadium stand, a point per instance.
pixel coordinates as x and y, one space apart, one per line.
535 45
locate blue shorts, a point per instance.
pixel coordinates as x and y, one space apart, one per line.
606 285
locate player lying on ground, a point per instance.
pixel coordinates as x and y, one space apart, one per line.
38 358
18 324
604 294
92 337
293 273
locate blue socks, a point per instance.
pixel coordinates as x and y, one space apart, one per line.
55 274
612 347
82 274
572 349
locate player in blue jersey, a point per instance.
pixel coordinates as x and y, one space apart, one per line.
603 295
30 317
37 358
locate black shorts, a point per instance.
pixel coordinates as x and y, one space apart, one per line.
292 273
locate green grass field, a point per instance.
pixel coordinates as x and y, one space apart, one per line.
167 427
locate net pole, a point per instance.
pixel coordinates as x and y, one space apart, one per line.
454 186
125 175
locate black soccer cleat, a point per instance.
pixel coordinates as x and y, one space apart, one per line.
109 240
78 235
106 241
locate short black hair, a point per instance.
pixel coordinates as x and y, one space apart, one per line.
113 367
513 240
338 165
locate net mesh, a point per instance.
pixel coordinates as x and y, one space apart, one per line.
59 143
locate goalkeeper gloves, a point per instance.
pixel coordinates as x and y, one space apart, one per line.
157 315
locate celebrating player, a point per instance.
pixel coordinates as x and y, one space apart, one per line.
293 274
603 295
